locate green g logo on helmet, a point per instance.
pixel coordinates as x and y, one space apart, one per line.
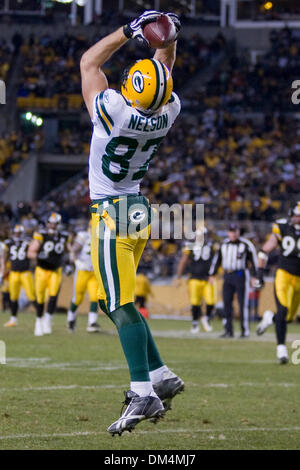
138 81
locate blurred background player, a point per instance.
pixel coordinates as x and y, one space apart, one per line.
196 260
48 247
4 268
142 292
15 253
84 280
286 235
235 254
120 152
253 304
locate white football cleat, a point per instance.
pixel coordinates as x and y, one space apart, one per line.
38 329
47 324
195 329
282 354
93 328
11 323
267 320
205 323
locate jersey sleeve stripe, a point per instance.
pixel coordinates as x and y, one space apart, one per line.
102 118
103 108
38 236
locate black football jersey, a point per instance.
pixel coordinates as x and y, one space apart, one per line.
200 258
53 249
17 254
289 240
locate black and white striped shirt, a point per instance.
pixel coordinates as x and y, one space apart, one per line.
234 256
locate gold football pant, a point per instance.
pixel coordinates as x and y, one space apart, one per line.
287 290
115 261
201 289
18 279
47 281
84 281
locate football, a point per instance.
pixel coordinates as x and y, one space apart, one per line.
160 33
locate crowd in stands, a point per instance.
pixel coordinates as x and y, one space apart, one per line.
7 49
51 78
240 169
241 86
14 149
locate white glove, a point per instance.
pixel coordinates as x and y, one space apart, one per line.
176 21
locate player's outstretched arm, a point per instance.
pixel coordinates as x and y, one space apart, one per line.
268 246
93 79
167 56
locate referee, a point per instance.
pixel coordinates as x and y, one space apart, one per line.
235 254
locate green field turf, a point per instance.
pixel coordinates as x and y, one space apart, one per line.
63 391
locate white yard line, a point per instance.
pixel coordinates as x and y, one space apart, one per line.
115 386
45 363
185 334
154 431
60 387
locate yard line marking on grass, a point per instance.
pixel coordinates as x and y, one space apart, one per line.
185 334
95 366
112 386
244 384
45 363
156 431
61 387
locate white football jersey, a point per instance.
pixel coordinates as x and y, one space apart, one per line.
124 142
83 261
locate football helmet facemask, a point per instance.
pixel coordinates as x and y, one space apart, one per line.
294 214
18 231
147 85
53 221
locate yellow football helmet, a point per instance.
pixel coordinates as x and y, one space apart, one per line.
18 231
54 218
53 221
147 85
295 209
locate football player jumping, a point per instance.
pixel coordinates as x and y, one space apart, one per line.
48 247
128 129
286 235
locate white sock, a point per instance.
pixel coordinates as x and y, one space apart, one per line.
71 316
48 317
143 389
157 374
93 317
13 319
